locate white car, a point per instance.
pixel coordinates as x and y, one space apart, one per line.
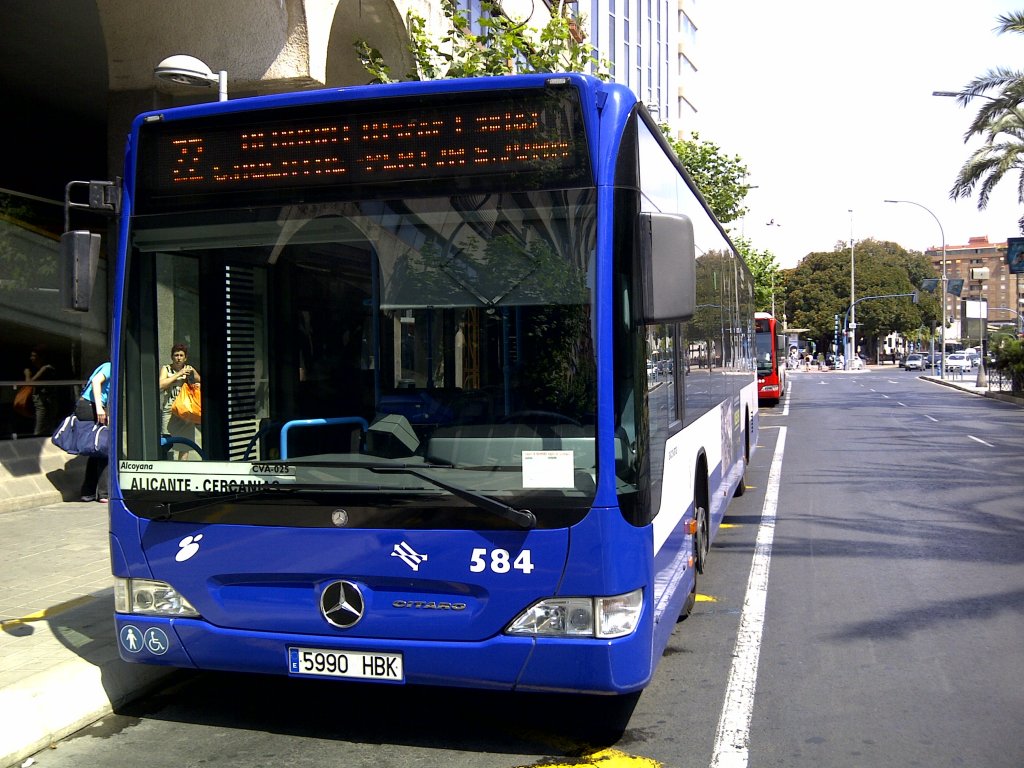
958 361
914 362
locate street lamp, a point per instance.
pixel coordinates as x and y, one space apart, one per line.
773 223
1020 317
942 372
188 70
851 326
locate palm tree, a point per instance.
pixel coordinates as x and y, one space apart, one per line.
1000 122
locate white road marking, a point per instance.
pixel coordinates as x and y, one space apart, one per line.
979 440
732 739
931 418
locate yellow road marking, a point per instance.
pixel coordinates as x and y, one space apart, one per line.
45 613
607 758
728 525
706 598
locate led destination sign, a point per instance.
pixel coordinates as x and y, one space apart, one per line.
531 134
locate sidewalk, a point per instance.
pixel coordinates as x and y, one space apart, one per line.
59 667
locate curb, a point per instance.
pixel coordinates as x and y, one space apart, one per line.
53 704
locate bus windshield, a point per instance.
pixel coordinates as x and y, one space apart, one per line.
765 342
400 362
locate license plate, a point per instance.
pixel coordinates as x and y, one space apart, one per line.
322 662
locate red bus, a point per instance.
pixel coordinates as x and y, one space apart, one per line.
771 358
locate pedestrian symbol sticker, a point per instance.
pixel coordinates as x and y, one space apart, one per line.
155 640
131 638
134 640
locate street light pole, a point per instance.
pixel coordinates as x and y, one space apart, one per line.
945 280
851 326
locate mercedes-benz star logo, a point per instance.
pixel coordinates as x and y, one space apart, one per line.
342 604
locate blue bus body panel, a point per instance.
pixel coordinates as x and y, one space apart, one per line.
267 579
446 621
501 663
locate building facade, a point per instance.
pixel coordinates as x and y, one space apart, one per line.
651 45
982 267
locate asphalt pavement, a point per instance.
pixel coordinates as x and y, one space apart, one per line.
59 666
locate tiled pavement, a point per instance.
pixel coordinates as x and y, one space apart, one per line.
59 667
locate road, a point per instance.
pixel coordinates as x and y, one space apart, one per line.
892 632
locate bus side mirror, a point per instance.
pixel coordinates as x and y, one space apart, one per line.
669 267
79 260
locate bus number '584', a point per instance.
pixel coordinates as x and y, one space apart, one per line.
499 561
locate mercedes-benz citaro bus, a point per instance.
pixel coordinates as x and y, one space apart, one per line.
429 451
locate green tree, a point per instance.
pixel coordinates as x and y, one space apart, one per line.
504 46
818 289
719 177
1009 361
768 278
1000 123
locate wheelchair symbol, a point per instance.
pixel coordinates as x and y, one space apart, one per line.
155 641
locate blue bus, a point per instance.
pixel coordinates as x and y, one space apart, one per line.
428 451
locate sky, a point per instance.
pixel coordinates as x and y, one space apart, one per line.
829 106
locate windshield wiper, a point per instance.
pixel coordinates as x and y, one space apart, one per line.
167 510
524 518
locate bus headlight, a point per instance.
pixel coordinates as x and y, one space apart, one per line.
603 617
150 598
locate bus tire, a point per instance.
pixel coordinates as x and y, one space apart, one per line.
742 487
701 538
691 600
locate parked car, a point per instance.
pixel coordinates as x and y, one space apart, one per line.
958 361
915 362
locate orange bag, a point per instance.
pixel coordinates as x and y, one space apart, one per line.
187 405
23 402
